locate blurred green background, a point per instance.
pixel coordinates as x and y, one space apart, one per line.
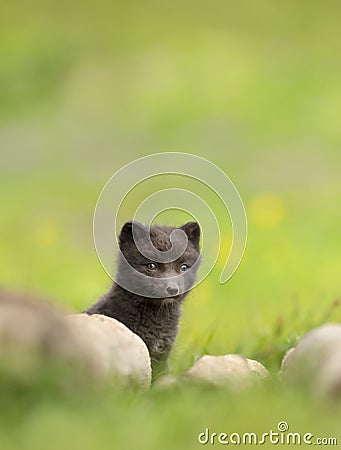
255 87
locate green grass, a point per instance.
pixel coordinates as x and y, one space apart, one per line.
252 86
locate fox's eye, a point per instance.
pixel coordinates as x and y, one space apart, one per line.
152 266
184 267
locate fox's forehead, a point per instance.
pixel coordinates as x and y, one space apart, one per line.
160 237
160 241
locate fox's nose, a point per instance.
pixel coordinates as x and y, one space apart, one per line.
172 290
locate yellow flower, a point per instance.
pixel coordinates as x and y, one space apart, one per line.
266 210
46 233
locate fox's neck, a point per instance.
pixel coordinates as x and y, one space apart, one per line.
156 321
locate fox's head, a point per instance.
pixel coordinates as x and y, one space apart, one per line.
158 261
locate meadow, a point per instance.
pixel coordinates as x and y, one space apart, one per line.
85 88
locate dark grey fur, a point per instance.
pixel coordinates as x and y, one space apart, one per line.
155 320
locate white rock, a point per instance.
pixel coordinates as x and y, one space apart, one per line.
316 361
286 361
34 334
257 368
116 352
328 380
234 371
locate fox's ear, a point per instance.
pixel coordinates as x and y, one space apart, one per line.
192 229
127 231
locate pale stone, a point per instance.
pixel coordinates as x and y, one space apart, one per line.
257 368
234 371
328 380
34 335
286 361
316 362
116 351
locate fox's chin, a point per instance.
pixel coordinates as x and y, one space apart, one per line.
173 299
169 300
